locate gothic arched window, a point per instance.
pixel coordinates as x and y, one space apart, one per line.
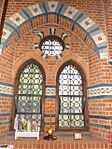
71 111
30 90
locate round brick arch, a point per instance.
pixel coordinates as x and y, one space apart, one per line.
58 13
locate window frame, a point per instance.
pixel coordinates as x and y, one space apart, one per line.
84 94
51 37
43 87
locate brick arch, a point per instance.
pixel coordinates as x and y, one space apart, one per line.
24 58
75 58
55 12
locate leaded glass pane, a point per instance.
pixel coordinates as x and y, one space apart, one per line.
52 45
30 90
71 98
71 121
29 104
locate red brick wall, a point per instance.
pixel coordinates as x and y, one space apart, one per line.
97 71
6 63
108 8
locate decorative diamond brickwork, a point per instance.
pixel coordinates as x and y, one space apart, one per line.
6 89
100 91
50 91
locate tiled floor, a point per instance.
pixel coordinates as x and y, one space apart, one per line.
64 141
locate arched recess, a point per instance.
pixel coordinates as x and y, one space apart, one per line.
71 97
25 61
55 12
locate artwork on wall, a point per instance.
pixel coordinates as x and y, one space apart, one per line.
26 123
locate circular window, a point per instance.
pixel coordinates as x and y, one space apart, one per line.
52 45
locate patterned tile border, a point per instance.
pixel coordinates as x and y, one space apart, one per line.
100 97
4 114
50 91
48 115
4 122
44 9
48 123
93 92
101 117
100 126
6 90
50 97
99 91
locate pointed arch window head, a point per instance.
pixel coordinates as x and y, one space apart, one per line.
71 98
30 90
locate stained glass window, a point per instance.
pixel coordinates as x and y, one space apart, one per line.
29 96
71 113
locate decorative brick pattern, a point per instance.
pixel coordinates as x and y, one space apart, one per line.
70 13
50 106
4 122
101 117
6 90
50 109
100 109
50 117
51 91
100 126
4 114
100 91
